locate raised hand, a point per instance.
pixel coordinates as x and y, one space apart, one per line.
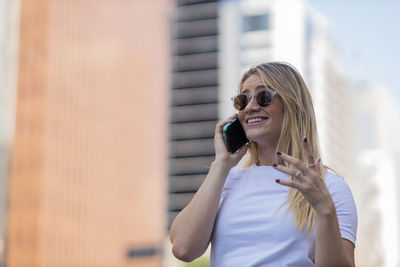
307 179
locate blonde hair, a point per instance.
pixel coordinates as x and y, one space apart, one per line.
299 122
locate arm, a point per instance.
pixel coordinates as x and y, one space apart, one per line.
331 248
192 228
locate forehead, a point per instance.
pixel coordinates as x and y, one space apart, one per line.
254 83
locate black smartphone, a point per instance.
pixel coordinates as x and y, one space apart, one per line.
234 136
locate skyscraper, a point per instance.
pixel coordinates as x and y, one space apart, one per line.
194 102
87 169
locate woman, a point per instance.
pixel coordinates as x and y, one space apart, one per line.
284 208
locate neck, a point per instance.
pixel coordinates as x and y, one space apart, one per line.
267 153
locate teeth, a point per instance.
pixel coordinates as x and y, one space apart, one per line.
254 120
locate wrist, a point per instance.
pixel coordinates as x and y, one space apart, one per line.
221 165
326 210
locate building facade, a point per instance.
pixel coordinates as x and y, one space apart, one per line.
86 176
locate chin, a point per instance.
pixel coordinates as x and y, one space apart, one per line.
255 138
256 131
261 137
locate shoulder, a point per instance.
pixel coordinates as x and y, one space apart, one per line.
331 177
336 183
240 171
235 174
344 203
341 193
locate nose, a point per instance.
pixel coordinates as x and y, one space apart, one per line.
252 105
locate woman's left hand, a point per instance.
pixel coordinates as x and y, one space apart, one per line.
307 179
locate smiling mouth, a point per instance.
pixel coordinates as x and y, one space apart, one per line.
256 120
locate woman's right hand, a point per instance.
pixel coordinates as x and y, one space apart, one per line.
221 153
192 228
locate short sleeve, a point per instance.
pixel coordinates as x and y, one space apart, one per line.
232 177
346 210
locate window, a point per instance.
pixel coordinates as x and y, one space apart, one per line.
255 23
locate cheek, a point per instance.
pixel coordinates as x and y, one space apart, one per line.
279 121
241 116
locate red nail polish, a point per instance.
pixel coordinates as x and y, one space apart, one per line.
277 180
274 165
278 153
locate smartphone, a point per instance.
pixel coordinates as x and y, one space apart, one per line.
234 136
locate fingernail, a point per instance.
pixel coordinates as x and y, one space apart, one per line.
274 165
279 153
305 140
277 180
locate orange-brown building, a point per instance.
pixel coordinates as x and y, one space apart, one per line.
87 181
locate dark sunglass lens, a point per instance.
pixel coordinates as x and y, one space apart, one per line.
240 102
264 98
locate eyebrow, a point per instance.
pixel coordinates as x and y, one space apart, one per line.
259 87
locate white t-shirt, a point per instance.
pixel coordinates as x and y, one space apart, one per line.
251 229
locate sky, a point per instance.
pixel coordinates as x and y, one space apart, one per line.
367 34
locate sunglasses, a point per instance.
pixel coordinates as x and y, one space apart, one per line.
263 99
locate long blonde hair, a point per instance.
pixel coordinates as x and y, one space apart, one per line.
299 122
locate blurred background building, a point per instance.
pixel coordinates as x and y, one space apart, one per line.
108 111
84 122
194 98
